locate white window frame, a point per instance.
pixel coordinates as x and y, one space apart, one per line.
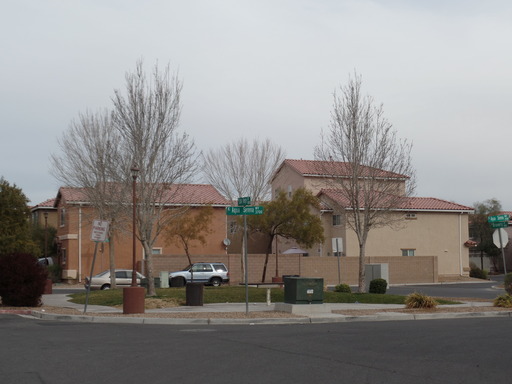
408 252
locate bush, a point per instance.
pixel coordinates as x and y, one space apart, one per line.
478 273
508 283
55 273
344 288
504 301
419 300
22 280
378 286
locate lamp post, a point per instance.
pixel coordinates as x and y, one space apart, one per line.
45 235
135 173
133 296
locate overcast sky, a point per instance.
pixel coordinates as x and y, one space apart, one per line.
268 68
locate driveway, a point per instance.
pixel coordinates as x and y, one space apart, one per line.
486 290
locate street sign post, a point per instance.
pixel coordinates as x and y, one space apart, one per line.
500 239
254 210
499 224
497 218
244 201
243 210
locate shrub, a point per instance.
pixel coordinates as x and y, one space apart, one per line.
508 283
22 280
343 288
55 273
378 286
478 273
419 300
504 301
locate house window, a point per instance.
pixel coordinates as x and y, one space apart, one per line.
336 220
408 252
64 256
290 191
233 227
410 216
156 251
62 217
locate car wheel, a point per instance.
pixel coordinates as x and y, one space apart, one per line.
178 282
216 282
105 286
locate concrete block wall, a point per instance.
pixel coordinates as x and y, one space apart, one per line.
402 270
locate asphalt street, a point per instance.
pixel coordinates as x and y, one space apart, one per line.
436 351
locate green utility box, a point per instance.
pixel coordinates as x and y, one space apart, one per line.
303 290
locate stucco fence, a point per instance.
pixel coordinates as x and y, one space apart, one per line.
402 270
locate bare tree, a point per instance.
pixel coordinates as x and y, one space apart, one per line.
377 168
89 152
243 169
146 117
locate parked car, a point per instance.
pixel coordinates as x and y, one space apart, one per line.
45 261
209 273
102 280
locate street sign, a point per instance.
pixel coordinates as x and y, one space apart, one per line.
496 218
499 224
500 241
244 201
99 230
256 210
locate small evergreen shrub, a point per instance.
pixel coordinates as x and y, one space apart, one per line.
508 283
419 300
478 273
22 280
378 286
55 273
343 288
504 301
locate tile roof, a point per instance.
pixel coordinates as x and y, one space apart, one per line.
45 204
408 203
179 194
333 168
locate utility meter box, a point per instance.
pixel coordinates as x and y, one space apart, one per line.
164 279
303 290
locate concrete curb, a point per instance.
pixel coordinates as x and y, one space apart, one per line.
319 319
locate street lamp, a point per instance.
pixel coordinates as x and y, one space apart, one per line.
46 235
135 173
133 296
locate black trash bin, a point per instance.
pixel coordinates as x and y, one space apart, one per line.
194 292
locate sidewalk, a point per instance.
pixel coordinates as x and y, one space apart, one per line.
260 313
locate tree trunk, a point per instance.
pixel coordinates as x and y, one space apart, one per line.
269 250
149 270
362 263
112 260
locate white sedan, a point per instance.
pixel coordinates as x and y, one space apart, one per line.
102 280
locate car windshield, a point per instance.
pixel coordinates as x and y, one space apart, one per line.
187 267
101 274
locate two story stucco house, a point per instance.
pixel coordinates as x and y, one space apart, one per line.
428 234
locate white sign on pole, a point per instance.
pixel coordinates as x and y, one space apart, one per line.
99 230
496 237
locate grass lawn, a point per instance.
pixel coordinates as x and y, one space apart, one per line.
236 294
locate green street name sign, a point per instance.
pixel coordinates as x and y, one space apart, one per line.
244 201
257 210
497 218
500 224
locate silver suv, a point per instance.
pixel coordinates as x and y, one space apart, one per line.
209 273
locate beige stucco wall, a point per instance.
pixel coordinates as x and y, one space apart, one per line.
430 234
